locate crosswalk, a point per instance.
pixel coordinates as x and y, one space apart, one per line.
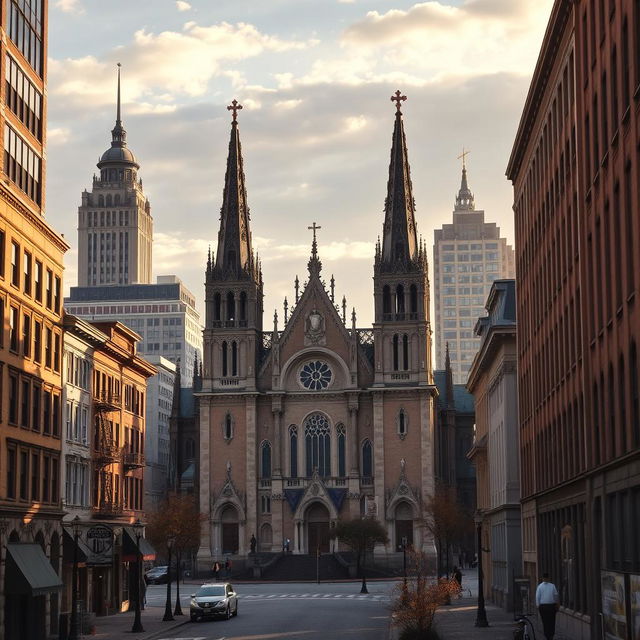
315 596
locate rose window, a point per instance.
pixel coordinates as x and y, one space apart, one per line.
315 375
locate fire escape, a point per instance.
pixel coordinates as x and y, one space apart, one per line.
105 454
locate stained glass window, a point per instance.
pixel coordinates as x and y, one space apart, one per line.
318 444
315 375
340 431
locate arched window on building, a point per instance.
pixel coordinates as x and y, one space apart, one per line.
402 423
225 359
395 352
342 437
386 300
116 200
101 201
405 352
231 306
318 444
243 308
367 459
217 305
265 459
413 298
228 427
293 451
399 299
109 200
234 358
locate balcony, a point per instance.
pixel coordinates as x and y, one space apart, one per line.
106 454
132 460
108 509
303 483
106 401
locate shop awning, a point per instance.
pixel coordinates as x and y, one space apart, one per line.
67 549
29 571
129 550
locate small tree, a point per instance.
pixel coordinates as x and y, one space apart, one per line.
179 518
360 535
447 521
418 599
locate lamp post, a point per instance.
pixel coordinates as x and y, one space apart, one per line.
167 606
481 616
178 610
137 621
73 624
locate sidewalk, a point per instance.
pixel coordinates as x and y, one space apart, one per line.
118 626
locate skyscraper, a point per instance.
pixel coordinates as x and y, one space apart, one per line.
115 228
468 255
31 254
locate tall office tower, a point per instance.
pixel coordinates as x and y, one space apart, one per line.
31 255
115 227
469 255
574 168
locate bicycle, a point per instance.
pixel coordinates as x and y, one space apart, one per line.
521 632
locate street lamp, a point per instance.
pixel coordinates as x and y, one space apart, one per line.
167 606
137 622
481 616
178 610
73 625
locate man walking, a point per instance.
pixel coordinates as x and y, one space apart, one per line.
547 601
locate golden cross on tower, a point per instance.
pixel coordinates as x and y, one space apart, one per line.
398 98
235 106
463 155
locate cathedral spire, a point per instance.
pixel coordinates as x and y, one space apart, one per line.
118 134
399 243
234 254
464 199
450 403
314 266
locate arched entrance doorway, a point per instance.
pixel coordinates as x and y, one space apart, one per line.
317 518
265 541
404 524
230 530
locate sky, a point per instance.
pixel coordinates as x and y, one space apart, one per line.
315 79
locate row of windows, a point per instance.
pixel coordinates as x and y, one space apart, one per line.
114 491
464 279
22 164
77 370
117 175
32 407
465 324
397 302
463 301
465 291
77 415
469 257
469 247
228 308
23 98
77 483
475 312
26 30
120 309
32 474
109 218
470 268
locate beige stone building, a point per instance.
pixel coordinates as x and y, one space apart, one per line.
316 419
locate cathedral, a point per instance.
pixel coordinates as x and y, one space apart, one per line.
315 419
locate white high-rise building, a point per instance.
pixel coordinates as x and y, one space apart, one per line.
469 255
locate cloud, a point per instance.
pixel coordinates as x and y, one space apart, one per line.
70 6
181 5
58 135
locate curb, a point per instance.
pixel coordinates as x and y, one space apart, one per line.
173 627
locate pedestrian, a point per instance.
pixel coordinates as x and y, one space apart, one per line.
227 567
547 601
286 545
216 570
253 542
457 576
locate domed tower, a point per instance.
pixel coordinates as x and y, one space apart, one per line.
115 227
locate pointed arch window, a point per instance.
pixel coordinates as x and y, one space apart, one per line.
395 352
116 199
403 423
225 359
109 200
405 352
413 298
231 306
234 358
386 300
342 442
228 427
217 306
399 299
293 451
243 308
367 459
265 459
318 444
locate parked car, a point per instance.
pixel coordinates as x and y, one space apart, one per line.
157 575
214 600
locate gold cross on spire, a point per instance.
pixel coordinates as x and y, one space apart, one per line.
398 98
463 155
235 106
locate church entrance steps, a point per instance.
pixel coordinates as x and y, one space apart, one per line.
292 567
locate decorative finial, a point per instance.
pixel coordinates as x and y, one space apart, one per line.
275 321
353 318
297 286
286 310
235 106
344 309
314 244
118 107
333 289
398 98
464 155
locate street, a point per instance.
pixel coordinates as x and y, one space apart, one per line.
289 610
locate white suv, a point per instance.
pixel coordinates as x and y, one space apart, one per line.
214 600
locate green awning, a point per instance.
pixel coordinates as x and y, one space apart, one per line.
29 571
83 553
130 552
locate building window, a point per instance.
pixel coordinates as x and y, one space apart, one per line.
23 98
35 477
15 264
48 347
37 341
49 289
11 473
22 164
315 375
395 352
342 454
224 358
26 272
25 29
265 504
35 408
228 427
24 404
13 329
367 459
24 475
293 450
403 424
13 398
26 335
405 352
37 281
318 445
265 459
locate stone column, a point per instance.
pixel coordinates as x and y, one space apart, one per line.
353 437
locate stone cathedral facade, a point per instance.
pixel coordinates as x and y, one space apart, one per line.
316 419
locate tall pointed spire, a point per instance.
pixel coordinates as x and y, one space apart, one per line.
119 135
234 255
464 199
399 243
450 403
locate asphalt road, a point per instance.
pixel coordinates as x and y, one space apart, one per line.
292 611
